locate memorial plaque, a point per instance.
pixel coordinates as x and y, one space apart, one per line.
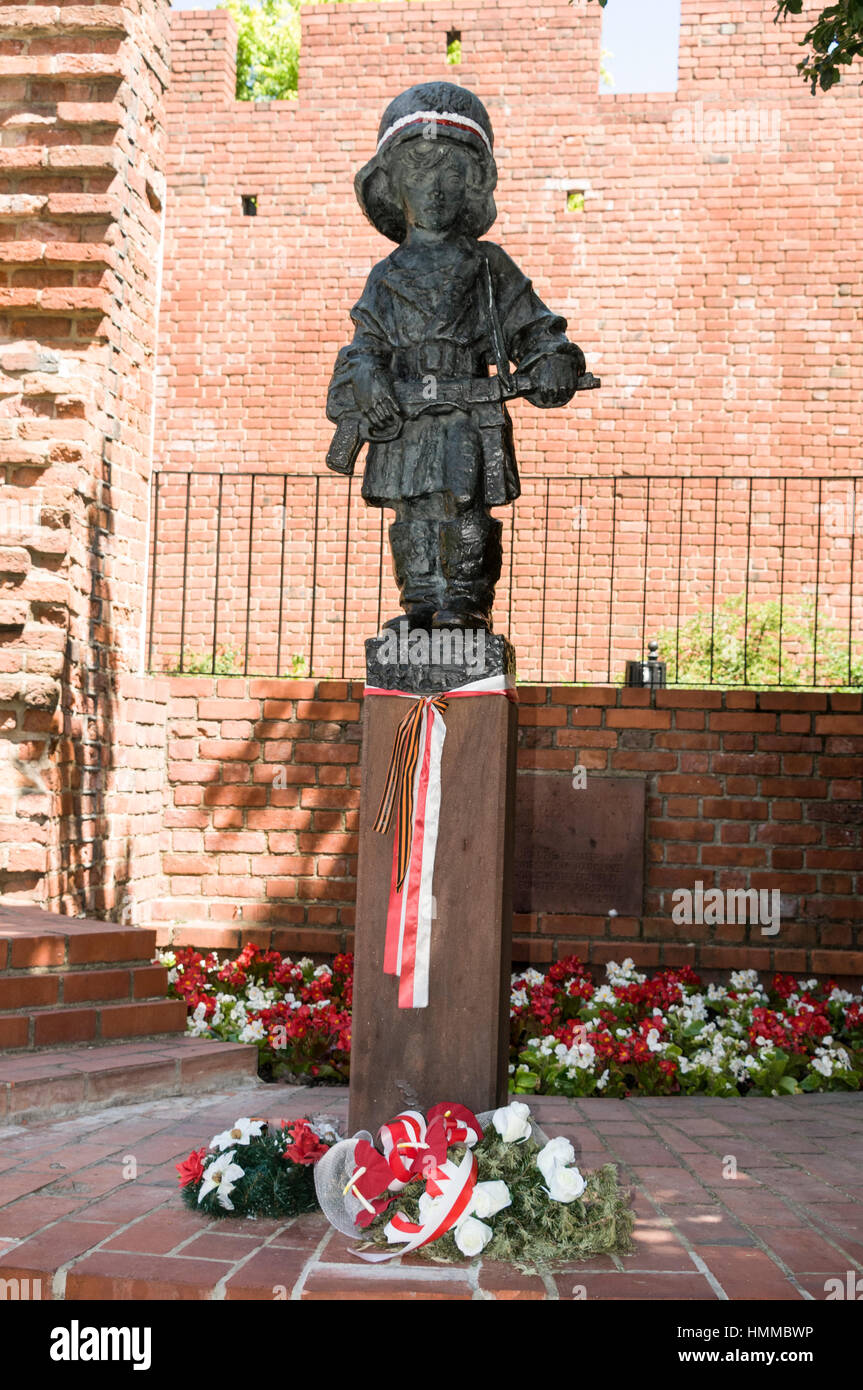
579 850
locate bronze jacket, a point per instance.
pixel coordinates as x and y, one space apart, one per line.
419 325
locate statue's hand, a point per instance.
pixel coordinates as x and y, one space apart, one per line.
375 397
554 379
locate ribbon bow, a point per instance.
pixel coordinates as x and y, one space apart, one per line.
413 1148
398 796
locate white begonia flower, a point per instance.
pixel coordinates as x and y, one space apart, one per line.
221 1176
252 1032
488 1199
654 1041
472 1236
512 1122
198 1025
602 1081
242 1132
604 995
823 1065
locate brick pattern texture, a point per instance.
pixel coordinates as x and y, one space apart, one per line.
81 207
687 278
745 790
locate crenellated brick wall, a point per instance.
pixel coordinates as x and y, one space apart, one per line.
81 204
744 790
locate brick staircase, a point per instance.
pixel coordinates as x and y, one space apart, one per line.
84 1020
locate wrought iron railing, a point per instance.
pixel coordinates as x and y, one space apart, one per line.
744 580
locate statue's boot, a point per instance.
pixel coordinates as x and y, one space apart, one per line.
414 547
471 555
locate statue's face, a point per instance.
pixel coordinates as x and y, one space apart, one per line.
431 179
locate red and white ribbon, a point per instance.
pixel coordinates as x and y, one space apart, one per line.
416 804
457 1184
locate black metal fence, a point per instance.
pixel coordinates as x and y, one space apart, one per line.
743 580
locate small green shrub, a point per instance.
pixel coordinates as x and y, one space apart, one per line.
736 647
227 663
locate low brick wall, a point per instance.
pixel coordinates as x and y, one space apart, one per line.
745 790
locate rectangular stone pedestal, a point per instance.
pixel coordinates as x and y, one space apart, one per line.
456 1049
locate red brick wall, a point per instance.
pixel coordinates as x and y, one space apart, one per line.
80 230
692 261
745 790
713 282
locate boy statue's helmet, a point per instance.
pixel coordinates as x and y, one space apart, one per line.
431 111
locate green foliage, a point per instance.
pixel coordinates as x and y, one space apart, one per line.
534 1230
228 663
575 202
735 647
268 47
835 40
271 1187
299 667
453 51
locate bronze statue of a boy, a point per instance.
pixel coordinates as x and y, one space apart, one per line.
415 381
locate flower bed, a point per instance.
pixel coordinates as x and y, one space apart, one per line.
671 1035
633 1035
297 1013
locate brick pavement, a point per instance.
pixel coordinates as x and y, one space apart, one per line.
791 1218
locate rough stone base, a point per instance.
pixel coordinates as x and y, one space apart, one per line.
431 663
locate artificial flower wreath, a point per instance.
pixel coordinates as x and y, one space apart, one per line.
257 1169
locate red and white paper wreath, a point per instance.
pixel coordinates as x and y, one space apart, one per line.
416 1147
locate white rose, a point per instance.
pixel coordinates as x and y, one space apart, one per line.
472 1236
565 1184
555 1154
512 1122
489 1198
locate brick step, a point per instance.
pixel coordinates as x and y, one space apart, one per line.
94 1023
20 990
31 939
70 1080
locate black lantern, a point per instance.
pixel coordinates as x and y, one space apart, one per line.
647 673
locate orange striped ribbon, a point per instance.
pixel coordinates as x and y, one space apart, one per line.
399 788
